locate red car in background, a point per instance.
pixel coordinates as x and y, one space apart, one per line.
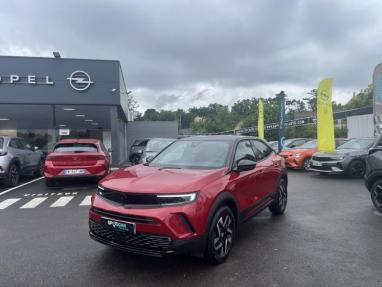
299 158
73 158
190 197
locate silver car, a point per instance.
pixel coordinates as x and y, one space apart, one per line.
17 159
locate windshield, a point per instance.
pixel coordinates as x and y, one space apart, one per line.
357 144
75 147
193 155
1 142
158 144
309 144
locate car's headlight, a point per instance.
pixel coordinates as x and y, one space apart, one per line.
139 151
297 155
176 199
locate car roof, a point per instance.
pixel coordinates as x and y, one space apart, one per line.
93 141
226 138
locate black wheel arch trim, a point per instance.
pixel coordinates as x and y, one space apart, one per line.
15 161
372 179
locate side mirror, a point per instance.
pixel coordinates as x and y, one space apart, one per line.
109 149
149 158
244 165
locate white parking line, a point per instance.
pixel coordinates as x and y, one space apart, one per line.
62 201
21 185
34 202
8 202
86 200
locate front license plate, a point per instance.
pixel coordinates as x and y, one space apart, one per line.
121 226
316 163
74 171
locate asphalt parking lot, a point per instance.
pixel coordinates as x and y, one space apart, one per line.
330 236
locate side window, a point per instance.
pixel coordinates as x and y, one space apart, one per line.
299 142
244 150
13 144
261 149
21 144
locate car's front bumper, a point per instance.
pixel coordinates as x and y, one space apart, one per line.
327 166
146 244
293 162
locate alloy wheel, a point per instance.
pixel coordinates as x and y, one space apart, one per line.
223 235
283 197
14 175
376 196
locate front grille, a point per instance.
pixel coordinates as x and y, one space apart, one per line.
129 198
139 240
130 218
316 158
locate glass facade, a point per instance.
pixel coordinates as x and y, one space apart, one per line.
40 125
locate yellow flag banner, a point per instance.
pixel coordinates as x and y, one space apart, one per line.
260 120
325 124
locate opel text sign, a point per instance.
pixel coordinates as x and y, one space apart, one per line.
27 79
80 80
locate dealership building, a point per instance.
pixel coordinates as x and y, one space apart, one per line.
44 99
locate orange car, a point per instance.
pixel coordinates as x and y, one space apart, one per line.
298 158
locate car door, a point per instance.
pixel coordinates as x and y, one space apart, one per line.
270 164
27 155
14 149
244 185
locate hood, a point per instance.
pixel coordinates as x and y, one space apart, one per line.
147 179
341 152
297 150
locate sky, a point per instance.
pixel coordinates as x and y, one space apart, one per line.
181 54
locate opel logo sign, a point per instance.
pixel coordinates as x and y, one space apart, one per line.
80 80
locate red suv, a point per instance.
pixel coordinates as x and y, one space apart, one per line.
76 158
190 197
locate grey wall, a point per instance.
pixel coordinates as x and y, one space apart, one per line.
105 75
155 129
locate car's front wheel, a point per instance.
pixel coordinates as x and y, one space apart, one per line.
357 169
376 195
279 204
221 235
135 159
306 164
13 176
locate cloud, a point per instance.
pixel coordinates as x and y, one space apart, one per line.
178 53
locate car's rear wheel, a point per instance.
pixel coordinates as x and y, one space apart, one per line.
376 195
13 176
357 169
221 235
40 169
279 204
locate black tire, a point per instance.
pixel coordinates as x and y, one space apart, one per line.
279 204
135 159
376 195
305 165
221 236
13 176
40 169
49 183
357 169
